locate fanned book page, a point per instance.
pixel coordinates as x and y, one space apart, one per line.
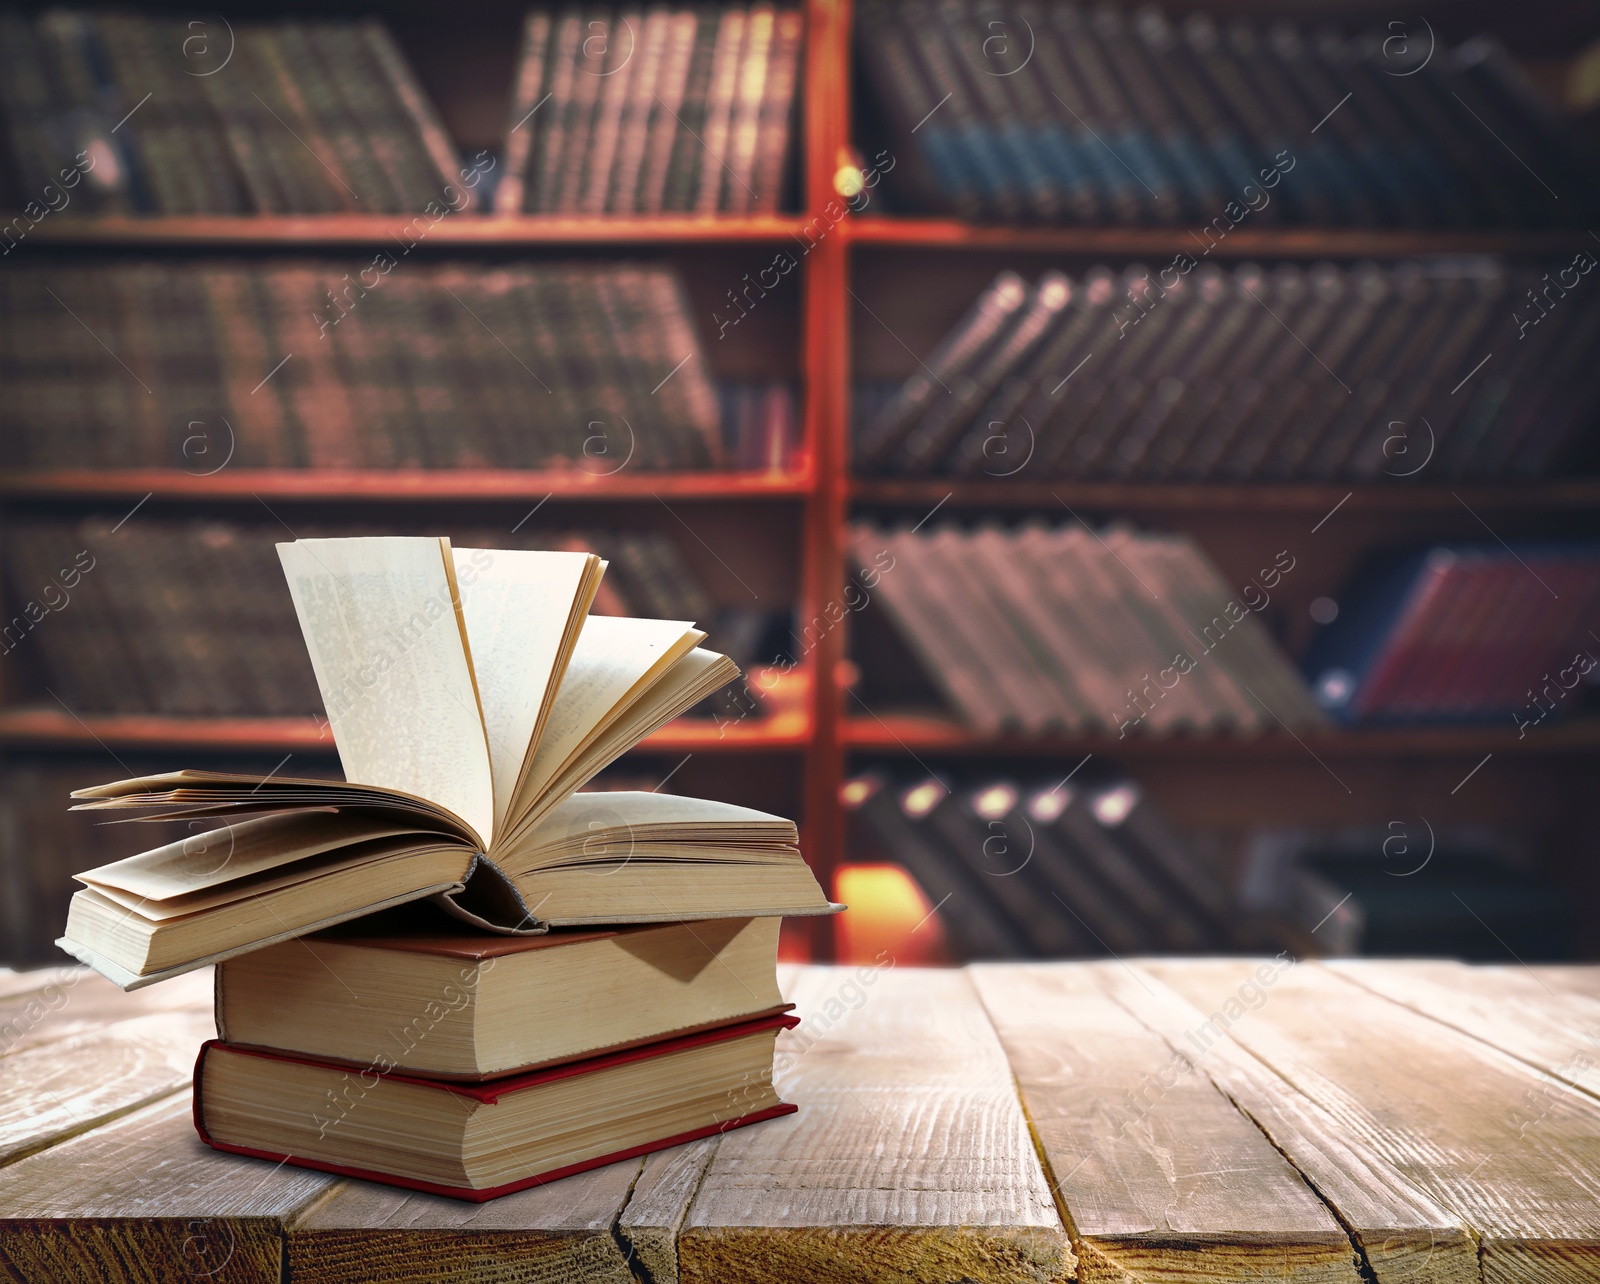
470 695
379 617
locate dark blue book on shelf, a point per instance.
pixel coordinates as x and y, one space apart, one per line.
1346 652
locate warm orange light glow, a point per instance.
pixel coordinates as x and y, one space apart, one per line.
889 914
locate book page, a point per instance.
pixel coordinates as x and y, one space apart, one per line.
240 851
522 612
379 620
615 658
631 809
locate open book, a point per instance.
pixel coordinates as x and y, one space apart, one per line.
470 694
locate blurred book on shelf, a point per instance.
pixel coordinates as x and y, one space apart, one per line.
1363 373
586 367
1483 632
1043 112
1020 868
191 617
1044 629
128 113
760 426
1409 892
673 110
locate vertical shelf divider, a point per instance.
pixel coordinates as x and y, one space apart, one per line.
825 356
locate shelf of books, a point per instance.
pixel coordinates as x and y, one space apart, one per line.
1188 396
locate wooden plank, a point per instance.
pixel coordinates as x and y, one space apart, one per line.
910 1159
1402 1235
1173 1184
1435 1104
1579 978
1554 1030
32 980
660 1203
79 1001
64 1088
143 1201
364 1233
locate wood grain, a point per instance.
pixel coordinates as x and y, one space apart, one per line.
78 1001
1402 1235
1555 1030
67 1087
1436 1104
364 1233
32 980
910 1159
142 1200
1160 1177
660 1202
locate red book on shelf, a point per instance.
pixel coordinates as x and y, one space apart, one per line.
477 1141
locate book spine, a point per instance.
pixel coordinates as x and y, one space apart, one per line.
998 193
551 152
737 193
977 930
776 117
528 100
971 336
986 848
600 37
721 95
928 442
1021 681
624 62
662 130
622 183
688 152
419 114
323 174
937 172
310 382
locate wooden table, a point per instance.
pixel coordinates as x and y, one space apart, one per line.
1156 1120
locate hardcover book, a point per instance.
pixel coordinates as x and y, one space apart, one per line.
481 1140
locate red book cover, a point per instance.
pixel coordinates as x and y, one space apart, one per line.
490 1091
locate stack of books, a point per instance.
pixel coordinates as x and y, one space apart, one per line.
1409 372
583 367
138 113
681 110
594 975
1065 629
1052 113
1463 632
1041 869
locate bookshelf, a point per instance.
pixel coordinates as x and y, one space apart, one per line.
812 754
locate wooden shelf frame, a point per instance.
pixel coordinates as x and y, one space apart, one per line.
467 231
57 728
454 231
1296 497
402 485
898 733
824 740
